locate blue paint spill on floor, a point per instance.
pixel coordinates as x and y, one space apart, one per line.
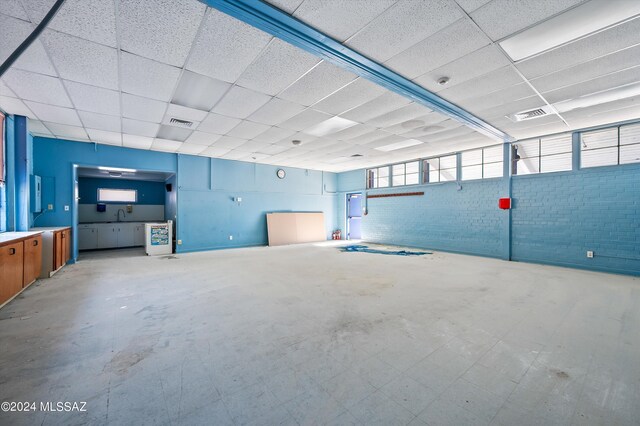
365 249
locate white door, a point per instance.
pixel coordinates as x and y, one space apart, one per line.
107 236
87 238
125 234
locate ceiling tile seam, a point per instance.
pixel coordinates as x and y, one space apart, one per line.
64 87
513 66
184 64
28 21
391 6
595 78
272 20
119 62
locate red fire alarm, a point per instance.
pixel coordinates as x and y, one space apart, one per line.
504 203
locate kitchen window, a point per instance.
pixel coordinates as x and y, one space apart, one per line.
108 195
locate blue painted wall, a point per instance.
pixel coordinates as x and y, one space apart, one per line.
444 218
203 190
148 192
213 184
558 217
7 190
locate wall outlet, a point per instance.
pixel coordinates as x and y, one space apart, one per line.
66 208
590 254
230 237
50 207
179 242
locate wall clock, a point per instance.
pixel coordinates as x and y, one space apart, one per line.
281 173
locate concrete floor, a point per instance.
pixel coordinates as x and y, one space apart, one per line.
311 335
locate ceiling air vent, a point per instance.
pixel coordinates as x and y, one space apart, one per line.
530 114
181 123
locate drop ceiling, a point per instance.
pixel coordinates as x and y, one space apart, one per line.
118 72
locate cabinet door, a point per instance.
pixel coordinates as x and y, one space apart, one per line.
66 236
125 234
58 254
138 235
107 236
11 269
32 259
87 238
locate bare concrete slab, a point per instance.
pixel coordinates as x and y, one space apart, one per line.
311 335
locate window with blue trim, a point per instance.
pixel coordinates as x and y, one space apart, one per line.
609 147
482 163
542 155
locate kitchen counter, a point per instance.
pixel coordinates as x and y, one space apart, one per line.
13 237
50 228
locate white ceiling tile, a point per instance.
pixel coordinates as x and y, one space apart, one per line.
202 138
368 138
14 8
80 60
173 133
102 136
288 6
354 94
400 115
318 83
228 142
143 109
352 132
610 81
257 157
218 124
37 128
5 91
139 128
225 47
215 152
159 29
240 102
382 104
302 137
276 111
14 32
471 5
199 91
253 146
135 141
165 145
94 99
500 18
37 87
340 19
473 65
15 106
274 135
272 149
92 120
403 25
304 120
248 130
235 154
448 44
67 132
279 65
509 94
604 65
148 78
580 51
191 149
488 83
185 113
92 20
54 114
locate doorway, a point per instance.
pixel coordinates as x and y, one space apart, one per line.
354 216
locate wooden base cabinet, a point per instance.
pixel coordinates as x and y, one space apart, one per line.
56 249
20 258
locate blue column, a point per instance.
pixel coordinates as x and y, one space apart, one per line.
21 169
506 178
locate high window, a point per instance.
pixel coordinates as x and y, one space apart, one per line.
618 145
482 163
440 169
542 155
108 195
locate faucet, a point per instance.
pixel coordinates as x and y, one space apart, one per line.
118 215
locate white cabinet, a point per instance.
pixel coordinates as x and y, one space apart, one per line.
125 234
107 235
87 237
138 234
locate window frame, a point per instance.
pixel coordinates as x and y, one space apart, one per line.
618 146
135 192
426 171
482 163
540 156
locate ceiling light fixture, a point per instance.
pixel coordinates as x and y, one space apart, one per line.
332 125
296 142
116 169
581 21
399 145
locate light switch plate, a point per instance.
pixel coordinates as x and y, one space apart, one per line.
66 208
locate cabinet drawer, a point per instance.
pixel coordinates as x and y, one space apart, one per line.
11 269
